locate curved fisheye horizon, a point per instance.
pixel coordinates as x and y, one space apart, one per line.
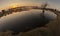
21 16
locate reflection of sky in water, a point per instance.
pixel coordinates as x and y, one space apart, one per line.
13 18
24 14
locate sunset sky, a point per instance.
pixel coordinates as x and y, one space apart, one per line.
13 3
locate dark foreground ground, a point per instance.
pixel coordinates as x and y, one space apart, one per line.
52 29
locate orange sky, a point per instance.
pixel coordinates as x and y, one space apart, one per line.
13 5
7 3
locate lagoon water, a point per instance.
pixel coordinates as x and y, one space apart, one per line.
11 20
